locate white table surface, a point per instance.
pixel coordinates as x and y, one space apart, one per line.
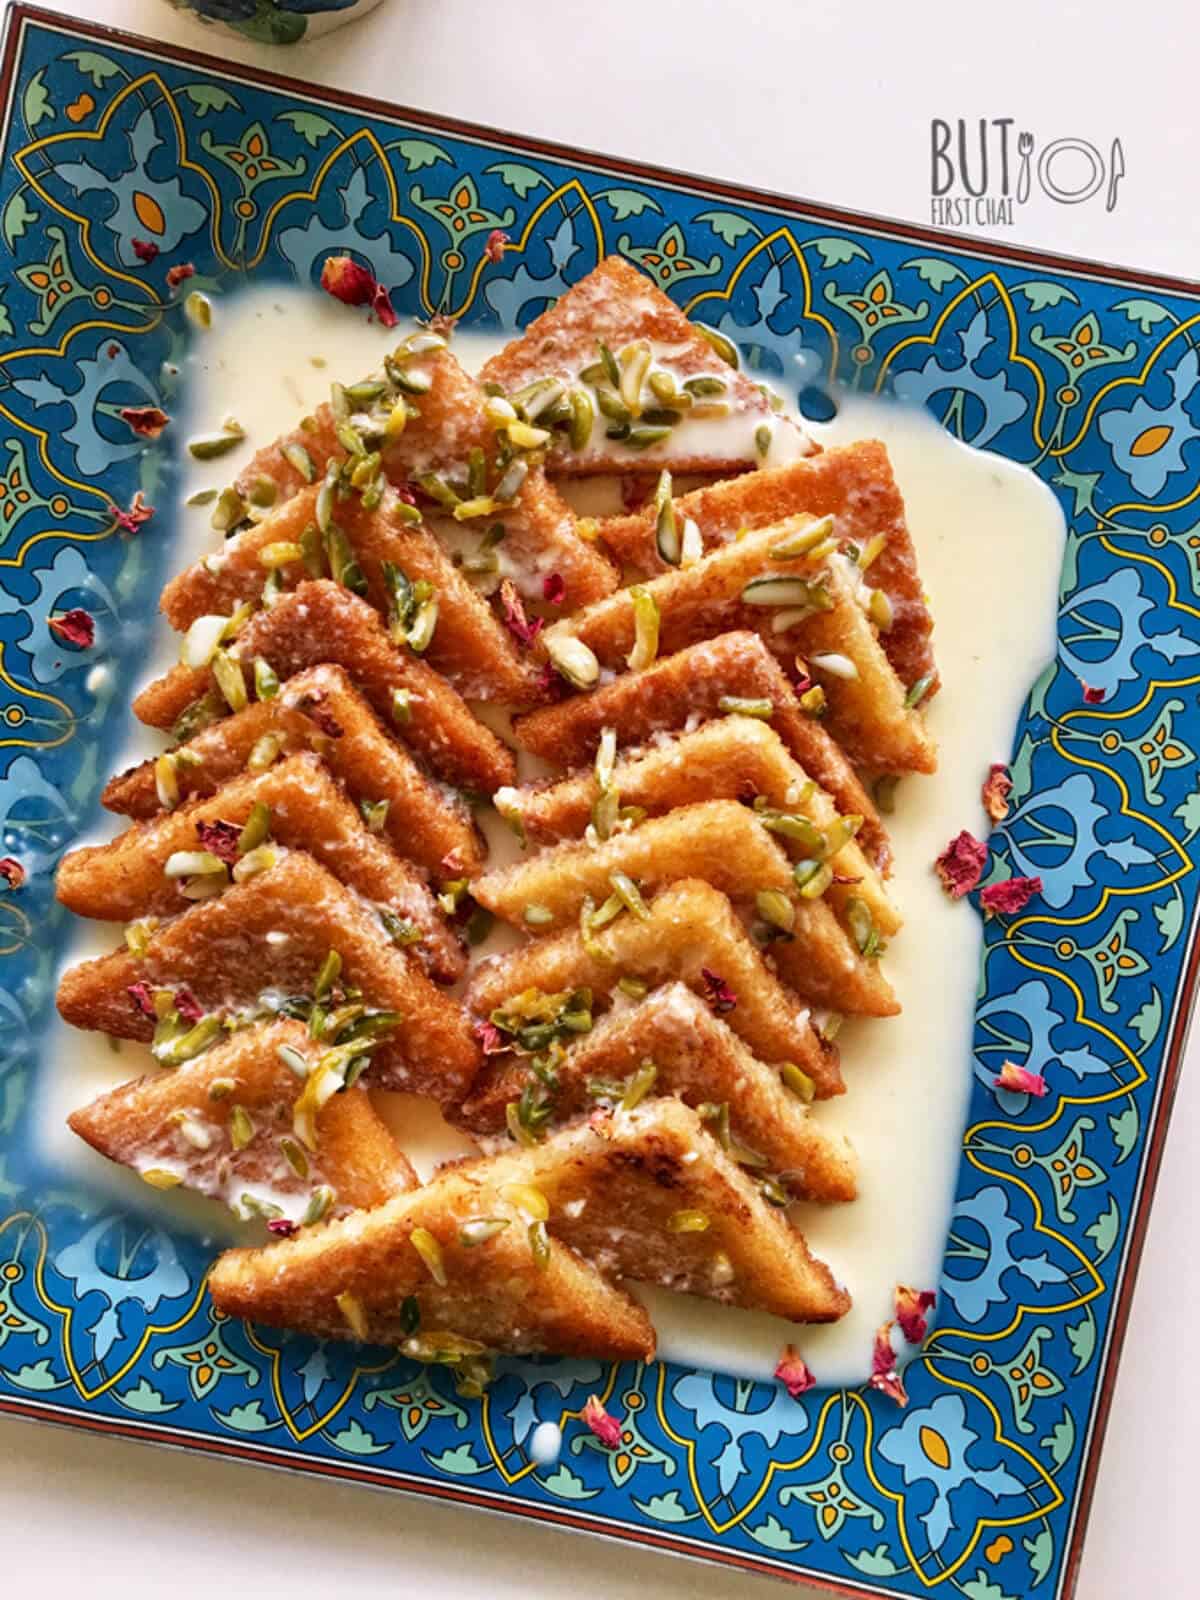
834 103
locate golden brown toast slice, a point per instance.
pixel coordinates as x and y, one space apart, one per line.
222 1125
691 686
363 1277
704 415
732 758
469 645
692 934
727 846
867 710
319 709
649 1195
855 485
322 622
307 811
698 1057
269 937
451 422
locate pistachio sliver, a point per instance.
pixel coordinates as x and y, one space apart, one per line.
630 896
211 446
646 625
573 659
777 589
803 540
743 706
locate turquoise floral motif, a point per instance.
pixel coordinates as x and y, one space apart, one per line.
125 1265
208 1359
997 402
132 203
1083 989
938 1455
1147 441
982 1232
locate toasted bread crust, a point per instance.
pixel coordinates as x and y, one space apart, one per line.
125 879
856 485
541 531
617 1187
138 1125
731 758
424 821
495 1292
700 1059
221 950
469 645
691 684
617 303
866 711
321 622
691 927
724 844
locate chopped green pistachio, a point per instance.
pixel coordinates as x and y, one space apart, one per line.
812 878
773 1192
478 1230
539 1244
774 907
401 706
763 435
773 589
161 1178
573 659
375 814
883 792
862 927
202 497
430 1252
241 1127
328 974
266 679
918 691
803 540
280 554
293 1060
801 1085
229 510
263 753
738 705
320 1202
211 446
479 925
633 988
264 492
630 896
138 935
538 916
688 1221
638 1085
197 308
257 828
230 681
646 624
583 416
221 1088
187 1046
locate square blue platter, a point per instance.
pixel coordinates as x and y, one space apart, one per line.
1089 375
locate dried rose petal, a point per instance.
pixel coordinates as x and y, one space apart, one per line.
145 250
76 626
845 877
179 274
606 1428
347 281
281 1227
794 1372
1020 1080
381 305
113 351
996 789
188 1007
911 1306
802 682
142 996
884 1375
549 684
147 422
442 325
554 588
717 992
1010 896
12 872
130 521
221 838
491 1040
1091 697
405 492
600 1121
452 864
497 242
523 629
960 865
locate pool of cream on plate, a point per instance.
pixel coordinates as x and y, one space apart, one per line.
989 539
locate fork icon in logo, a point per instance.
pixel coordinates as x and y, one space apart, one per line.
1024 175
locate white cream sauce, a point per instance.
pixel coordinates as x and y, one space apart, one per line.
990 539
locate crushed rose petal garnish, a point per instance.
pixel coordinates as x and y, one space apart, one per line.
491 1040
497 243
130 521
884 1375
523 629
606 1428
1010 896
142 996
221 838
355 285
960 865
282 1227
1091 696
554 588
794 1372
76 626
997 787
911 1306
145 250
717 992
179 274
188 1007
12 872
1020 1080
381 305
550 684
147 422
